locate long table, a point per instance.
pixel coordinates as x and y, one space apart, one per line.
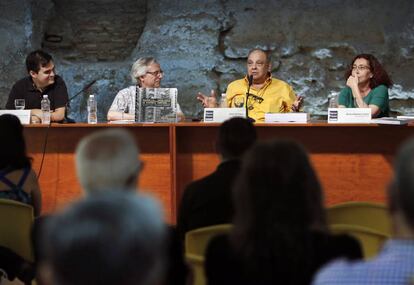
353 162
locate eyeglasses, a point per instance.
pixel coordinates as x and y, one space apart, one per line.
156 73
360 67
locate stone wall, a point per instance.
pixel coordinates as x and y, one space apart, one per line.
15 34
202 45
94 30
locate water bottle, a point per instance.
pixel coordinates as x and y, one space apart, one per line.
92 110
333 101
45 106
223 100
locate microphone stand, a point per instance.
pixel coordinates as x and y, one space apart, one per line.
68 120
250 79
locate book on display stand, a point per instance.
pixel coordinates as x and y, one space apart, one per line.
156 105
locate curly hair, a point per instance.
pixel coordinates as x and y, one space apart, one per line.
380 76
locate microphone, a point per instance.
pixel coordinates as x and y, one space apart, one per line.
250 79
68 120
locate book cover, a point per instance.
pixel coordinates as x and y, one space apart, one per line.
156 105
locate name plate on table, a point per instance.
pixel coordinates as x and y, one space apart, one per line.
287 118
349 115
23 115
218 115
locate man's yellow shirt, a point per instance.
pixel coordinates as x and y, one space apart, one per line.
276 96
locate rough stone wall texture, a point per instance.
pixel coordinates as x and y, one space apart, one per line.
94 30
202 45
15 40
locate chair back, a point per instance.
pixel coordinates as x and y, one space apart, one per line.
366 214
196 242
371 240
16 220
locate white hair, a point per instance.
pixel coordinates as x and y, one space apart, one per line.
140 67
107 160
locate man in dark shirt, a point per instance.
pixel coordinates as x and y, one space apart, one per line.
208 201
41 80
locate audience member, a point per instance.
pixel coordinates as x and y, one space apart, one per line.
17 179
395 263
279 235
105 239
18 182
145 73
266 95
208 201
367 86
109 160
42 80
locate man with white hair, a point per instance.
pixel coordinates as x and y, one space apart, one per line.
108 159
146 72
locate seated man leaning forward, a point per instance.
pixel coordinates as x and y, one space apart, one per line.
145 73
42 80
267 94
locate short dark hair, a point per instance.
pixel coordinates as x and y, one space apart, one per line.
110 238
37 59
12 144
402 188
235 136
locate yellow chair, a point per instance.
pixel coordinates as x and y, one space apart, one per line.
366 214
16 220
196 242
371 240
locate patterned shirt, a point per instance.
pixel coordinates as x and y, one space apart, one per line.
394 265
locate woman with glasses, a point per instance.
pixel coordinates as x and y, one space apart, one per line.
367 86
145 73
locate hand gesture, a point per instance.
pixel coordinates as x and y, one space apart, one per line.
208 101
352 82
297 104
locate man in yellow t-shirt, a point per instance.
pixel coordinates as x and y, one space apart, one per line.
266 94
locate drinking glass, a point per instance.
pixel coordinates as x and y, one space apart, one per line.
333 102
19 104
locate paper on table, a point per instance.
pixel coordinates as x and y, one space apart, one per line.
121 122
